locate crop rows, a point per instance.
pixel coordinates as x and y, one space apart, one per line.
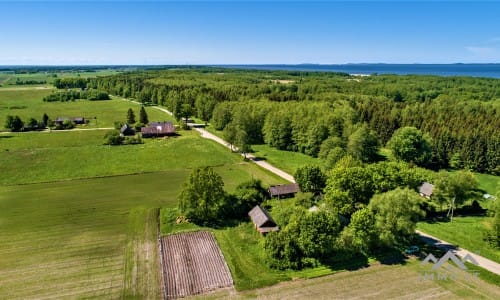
192 264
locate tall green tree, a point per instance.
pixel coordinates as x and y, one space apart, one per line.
360 235
410 145
45 119
454 188
363 144
204 107
396 215
230 135
310 179
14 123
243 142
202 197
131 116
186 111
143 116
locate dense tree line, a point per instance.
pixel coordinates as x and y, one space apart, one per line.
29 81
72 95
70 83
16 124
312 111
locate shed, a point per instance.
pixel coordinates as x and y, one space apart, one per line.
263 222
284 190
426 189
126 130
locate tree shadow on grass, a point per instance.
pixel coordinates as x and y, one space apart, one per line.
6 136
391 257
349 262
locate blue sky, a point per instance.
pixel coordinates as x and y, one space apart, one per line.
248 32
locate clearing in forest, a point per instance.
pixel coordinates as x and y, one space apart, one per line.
192 263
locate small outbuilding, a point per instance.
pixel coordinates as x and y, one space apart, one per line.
126 130
263 222
284 190
426 189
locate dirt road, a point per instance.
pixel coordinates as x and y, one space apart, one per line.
482 262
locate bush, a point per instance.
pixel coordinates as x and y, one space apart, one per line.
113 137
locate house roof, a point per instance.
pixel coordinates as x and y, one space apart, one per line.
261 217
284 189
159 128
126 128
426 189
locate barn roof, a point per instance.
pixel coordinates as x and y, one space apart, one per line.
426 189
159 128
284 189
261 217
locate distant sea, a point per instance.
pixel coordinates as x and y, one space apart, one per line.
474 70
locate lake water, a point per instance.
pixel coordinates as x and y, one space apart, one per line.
475 70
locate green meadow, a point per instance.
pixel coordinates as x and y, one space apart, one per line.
94 237
8 79
28 103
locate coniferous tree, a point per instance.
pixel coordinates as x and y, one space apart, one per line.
143 116
130 116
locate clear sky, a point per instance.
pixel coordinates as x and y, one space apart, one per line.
248 32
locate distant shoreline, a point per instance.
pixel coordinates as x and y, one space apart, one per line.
488 70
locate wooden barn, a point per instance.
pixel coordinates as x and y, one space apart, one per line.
284 190
126 130
158 129
263 222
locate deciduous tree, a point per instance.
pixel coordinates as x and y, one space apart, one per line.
202 196
396 214
410 145
310 179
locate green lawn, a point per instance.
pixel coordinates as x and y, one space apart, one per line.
466 232
42 157
489 183
96 237
8 79
28 104
288 161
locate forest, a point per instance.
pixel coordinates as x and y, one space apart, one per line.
327 115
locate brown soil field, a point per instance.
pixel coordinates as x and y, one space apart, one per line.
192 264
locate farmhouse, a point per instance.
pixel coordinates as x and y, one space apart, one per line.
262 220
158 129
426 189
284 190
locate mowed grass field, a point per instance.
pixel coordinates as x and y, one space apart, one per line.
465 232
42 157
28 103
96 238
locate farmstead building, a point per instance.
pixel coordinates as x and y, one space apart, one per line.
158 129
284 190
262 220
